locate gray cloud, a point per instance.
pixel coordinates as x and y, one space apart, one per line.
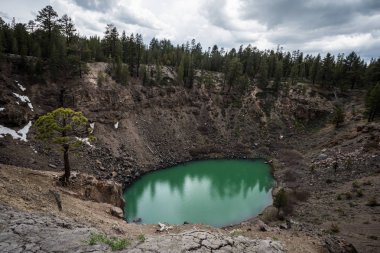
128 17
4 15
96 5
311 14
113 12
309 25
215 12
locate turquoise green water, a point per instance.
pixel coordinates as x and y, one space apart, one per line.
214 192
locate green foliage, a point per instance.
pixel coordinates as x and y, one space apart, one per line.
64 54
280 199
65 128
338 117
263 74
236 232
102 78
114 242
62 126
141 237
373 102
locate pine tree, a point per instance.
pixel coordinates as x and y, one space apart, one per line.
315 68
47 20
373 102
338 118
277 75
68 27
263 73
181 70
111 45
140 48
65 128
327 69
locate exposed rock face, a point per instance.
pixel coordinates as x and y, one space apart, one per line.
26 232
203 241
160 126
335 245
103 191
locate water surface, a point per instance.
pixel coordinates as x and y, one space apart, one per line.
214 192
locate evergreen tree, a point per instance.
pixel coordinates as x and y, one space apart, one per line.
353 69
373 102
47 20
68 27
277 75
338 118
111 45
140 48
263 74
327 69
65 128
315 69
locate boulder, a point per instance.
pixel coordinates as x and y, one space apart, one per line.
262 226
337 245
117 212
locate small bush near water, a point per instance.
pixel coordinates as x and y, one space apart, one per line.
114 242
141 237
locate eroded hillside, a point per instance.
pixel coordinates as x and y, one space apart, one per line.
142 128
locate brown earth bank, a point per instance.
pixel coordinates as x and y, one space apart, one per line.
140 128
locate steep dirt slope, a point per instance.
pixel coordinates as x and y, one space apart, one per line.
142 128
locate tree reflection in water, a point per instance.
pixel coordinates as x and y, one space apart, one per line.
223 181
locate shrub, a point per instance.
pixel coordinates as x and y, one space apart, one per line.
236 232
141 237
355 184
280 200
372 202
101 78
338 116
114 242
334 228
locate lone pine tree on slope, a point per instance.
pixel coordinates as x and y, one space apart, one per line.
66 128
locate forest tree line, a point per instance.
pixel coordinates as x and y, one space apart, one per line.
58 47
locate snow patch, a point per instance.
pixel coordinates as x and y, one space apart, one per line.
24 99
20 86
92 126
116 125
17 135
85 141
2 109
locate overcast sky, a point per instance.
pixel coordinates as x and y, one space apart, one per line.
313 26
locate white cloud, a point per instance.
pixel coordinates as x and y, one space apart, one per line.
309 25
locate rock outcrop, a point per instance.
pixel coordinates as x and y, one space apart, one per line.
204 241
27 232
